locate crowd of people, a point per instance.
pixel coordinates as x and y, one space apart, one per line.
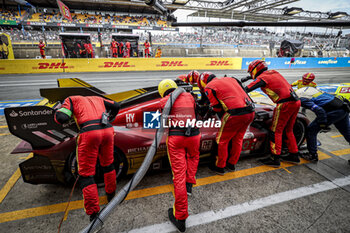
204 36
9 15
247 37
83 17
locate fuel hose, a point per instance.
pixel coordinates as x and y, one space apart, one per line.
121 195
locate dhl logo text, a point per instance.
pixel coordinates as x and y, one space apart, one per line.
58 65
218 63
171 63
116 64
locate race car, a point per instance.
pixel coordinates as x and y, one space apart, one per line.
342 89
53 145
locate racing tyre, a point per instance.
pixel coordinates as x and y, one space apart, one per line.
71 168
299 131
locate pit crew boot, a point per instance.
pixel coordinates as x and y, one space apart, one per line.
189 189
93 216
291 158
179 224
312 157
230 167
273 161
110 196
218 170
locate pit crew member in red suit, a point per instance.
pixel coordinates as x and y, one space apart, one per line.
183 150
228 98
114 48
280 92
95 140
121 46
147 50
128 46
42 47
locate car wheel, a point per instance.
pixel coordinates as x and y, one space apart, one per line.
120 165
299 131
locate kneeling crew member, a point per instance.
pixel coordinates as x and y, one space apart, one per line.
329 110
306 81
226 95
95 140
280 92
183 150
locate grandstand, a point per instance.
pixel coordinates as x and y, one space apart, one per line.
90 16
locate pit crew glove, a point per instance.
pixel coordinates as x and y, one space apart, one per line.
245 79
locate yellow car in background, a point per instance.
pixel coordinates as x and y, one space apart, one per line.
342 89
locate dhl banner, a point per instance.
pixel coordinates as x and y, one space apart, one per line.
117 64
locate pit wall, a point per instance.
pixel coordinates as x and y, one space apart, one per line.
29 66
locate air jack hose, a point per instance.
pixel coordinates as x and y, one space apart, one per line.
121 195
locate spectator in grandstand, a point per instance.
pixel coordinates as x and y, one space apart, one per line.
306 81
42 47
147 48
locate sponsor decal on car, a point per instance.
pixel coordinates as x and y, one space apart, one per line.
30 113
33 125
345 90
206 145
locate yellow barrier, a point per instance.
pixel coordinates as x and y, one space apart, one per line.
117 64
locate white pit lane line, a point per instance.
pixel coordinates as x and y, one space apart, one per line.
234 210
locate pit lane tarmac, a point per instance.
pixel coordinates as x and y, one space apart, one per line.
294 198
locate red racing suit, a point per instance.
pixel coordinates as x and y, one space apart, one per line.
280 92
227 95
121 46
114 48
128 46
42 50
183 150
147 46
94 141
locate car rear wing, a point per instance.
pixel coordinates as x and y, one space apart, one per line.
36 125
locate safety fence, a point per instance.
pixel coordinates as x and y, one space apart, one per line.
160 64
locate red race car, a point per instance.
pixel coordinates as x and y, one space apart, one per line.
53 145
